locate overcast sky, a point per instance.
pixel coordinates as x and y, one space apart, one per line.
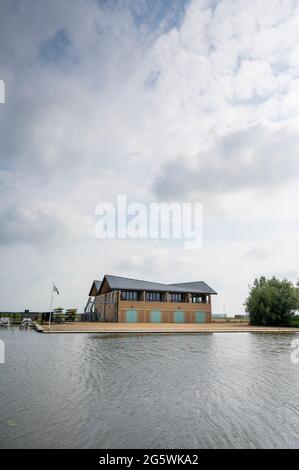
194 101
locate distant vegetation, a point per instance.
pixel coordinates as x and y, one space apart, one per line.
58 310
68 315
273 302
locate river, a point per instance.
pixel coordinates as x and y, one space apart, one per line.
220 390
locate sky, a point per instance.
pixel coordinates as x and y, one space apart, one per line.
185 100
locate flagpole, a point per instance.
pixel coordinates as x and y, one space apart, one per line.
51 306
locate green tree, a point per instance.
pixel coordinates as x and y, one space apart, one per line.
71 313
272 302
58 315
58 310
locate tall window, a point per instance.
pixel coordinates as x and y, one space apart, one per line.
129 295
177 297
153 296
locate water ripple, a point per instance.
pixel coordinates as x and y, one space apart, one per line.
192 391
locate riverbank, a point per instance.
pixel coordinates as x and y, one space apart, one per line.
135 328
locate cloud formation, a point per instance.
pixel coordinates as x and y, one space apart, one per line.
258 157
185 100
30 225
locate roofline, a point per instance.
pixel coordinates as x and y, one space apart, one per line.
105 277
173 285
93 284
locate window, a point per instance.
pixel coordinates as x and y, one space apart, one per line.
197 299
177 297
153 296
129 295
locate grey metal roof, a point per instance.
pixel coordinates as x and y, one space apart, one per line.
97 285
118 282
198 286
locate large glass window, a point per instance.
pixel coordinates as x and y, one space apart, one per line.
153 296
175 297
129 295
197 299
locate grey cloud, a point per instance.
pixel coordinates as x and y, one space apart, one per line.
91 83
70 71
30 226
253 158
157 16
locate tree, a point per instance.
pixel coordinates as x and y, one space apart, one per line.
58 310
58 315
71 314
272 302
71 311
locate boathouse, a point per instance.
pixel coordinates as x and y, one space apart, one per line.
120 299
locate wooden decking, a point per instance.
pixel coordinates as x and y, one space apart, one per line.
135 328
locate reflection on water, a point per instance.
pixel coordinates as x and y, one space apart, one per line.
190 391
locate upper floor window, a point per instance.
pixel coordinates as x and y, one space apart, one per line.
174 297
129 295
197 299
153 296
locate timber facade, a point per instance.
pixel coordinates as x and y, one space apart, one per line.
124 300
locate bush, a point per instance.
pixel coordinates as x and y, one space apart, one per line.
272 302
294 322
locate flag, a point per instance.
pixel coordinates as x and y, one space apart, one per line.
55 289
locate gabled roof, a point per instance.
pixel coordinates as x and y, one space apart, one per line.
95 288
125 283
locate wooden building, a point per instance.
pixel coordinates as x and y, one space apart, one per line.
120 299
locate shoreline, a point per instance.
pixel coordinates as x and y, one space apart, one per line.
158 328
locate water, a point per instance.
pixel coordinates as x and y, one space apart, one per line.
192 391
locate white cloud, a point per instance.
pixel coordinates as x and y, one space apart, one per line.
108 98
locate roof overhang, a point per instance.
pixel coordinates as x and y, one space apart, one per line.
110 283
